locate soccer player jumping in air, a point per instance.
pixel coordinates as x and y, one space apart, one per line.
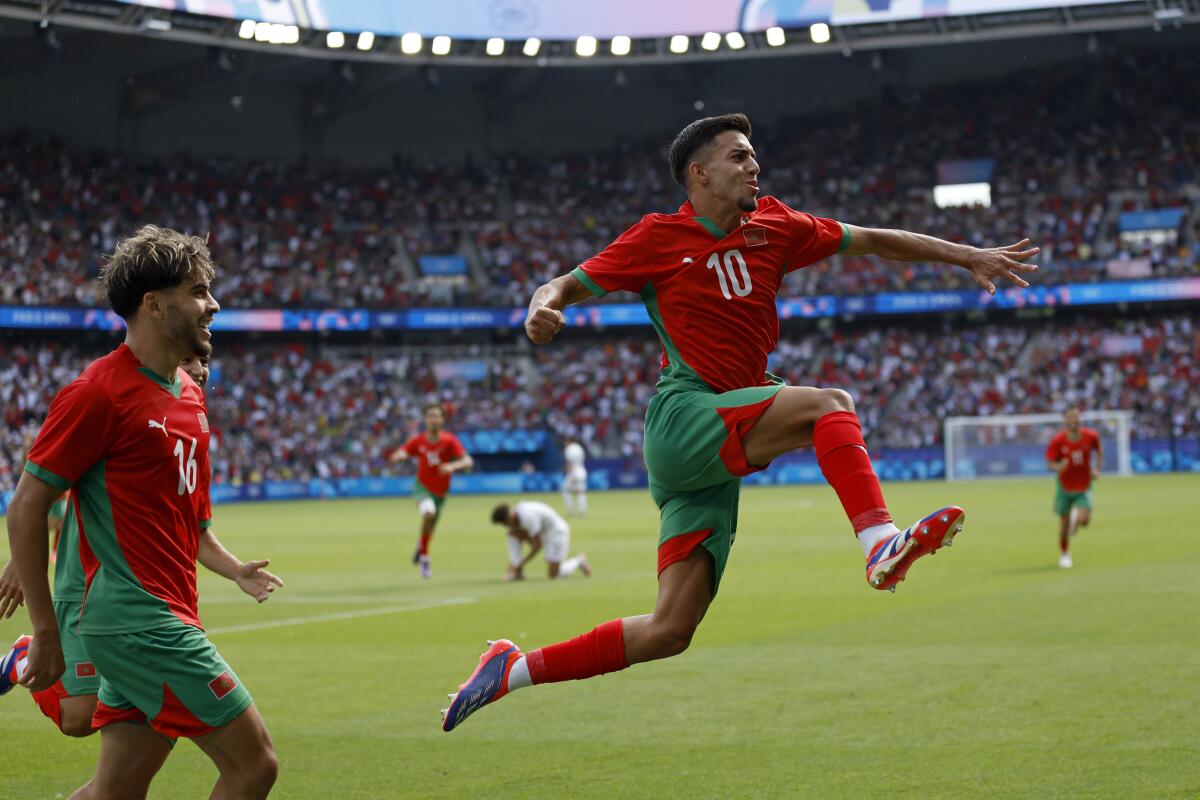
709 275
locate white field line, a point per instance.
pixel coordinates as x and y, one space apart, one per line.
366 612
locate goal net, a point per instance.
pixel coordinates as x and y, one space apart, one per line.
1015 444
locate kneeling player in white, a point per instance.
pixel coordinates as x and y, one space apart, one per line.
574 485
539 526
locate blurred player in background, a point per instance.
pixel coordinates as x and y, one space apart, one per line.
439 455
129 437
709 276
574 485
1075 453
539 526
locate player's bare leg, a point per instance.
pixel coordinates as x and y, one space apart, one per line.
244 755
684 594
131 754
565 569
77 715
1065 531
421 554
803 416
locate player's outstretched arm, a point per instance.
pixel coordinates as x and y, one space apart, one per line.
27 532
545 318
984 264
250 576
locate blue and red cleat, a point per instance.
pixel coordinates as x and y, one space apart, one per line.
8 664
487 684
889 562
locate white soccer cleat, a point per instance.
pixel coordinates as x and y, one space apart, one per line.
1064 561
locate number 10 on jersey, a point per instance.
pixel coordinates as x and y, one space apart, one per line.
727 273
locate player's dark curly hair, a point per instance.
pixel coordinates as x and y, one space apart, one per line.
697 136
500 514
150 260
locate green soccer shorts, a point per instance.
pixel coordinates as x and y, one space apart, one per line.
424 498
694 454
80 677
171 677
1064 501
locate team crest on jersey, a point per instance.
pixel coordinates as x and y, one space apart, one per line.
222 685
200 415
755 237
85 669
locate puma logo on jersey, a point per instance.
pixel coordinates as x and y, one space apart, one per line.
162 426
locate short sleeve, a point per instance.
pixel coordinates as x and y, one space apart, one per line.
410 446
1052 449
813 239
75 435
626 264
456 447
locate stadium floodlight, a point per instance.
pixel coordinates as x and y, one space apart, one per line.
335 40
819 32
532 46
585 46
440 46
366 40
290 34
710 41
956 195
262 31
735 40
679 43
411 43
620 45
776 37
495 46
246 31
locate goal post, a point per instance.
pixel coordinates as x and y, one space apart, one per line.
1014 445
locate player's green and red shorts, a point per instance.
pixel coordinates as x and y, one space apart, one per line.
711 297
1064 501
133 448
424 497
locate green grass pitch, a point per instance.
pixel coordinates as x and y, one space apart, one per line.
989 674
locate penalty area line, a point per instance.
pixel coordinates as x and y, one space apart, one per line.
340 615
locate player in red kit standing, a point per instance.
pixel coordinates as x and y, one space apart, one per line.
439 455
1075 454
129 437
708 276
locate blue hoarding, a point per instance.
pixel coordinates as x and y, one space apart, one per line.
631 314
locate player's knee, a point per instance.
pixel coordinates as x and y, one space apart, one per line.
77 727
673 638
836 400
76 717
257 773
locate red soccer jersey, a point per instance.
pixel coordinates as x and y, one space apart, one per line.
133 446
1077 477
710 294
431 455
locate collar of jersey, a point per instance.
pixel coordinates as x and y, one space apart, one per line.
175 387
706 223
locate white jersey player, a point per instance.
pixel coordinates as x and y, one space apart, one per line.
539 526
574 485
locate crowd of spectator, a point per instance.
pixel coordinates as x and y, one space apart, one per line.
1073 146
306 410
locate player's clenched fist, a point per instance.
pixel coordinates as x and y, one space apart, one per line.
543 323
